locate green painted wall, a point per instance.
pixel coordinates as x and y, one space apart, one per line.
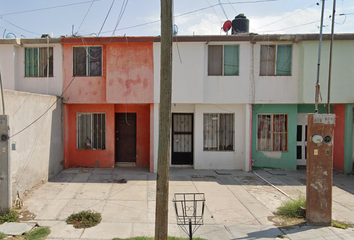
310 108
284 160
348 139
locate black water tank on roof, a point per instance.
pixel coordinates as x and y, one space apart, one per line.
240 24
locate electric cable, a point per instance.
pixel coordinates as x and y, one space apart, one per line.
85 16
286 16
194 11
67 87
19 27
46 8
223 9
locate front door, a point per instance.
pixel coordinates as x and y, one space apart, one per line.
125 137
301 139
182 138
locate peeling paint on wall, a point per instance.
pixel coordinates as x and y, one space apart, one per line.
275 155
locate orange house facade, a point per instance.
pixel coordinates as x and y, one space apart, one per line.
108 95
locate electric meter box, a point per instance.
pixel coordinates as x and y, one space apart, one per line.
320 140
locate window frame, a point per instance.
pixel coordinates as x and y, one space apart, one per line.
223 60
274 60
272 132
91 144
217 148
87 61
37 67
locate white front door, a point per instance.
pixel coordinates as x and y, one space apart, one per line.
301 136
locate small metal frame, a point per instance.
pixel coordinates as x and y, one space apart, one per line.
189 211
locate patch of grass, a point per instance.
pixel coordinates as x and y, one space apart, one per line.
151 238
2 235
292 208
40 233
280 236
341 225
9 216
84 219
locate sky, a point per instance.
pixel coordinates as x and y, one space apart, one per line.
32 18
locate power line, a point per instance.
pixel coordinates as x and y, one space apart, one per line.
286 16
294 26
46 8
19 27
85 16
110 8
67 87
122 10
223 9
194 11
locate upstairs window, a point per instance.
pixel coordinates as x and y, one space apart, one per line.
276 60
223 60
87 61
218 132
272 132
36 62
91 131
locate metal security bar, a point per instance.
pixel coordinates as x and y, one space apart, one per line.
189 211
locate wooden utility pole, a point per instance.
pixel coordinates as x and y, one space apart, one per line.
163 158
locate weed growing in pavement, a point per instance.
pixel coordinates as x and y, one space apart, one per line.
341 225
2 235
84 219
293 208
40 233
9 216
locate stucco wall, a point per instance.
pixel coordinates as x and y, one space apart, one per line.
282 160
39 149
237 159
342 80
276 89
7 66
127 75
13 70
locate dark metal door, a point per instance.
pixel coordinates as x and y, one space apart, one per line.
125 137
182 138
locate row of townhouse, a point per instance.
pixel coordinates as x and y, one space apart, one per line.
238 101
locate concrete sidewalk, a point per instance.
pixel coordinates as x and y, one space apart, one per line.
238 204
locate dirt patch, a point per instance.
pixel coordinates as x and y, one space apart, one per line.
26 215
281 221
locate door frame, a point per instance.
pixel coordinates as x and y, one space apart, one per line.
116 136
302 120
191 163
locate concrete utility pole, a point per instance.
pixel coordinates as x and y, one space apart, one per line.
5 166
162 185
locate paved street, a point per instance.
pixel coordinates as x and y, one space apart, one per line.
238 204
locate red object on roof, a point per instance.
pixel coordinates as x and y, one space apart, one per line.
227 26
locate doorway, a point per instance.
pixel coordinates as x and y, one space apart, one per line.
125 138
182 138
301 139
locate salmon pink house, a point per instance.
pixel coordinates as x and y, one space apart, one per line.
108 95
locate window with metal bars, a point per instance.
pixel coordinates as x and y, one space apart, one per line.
87 61
272 132
91 131
36 62
223 60
218 132
276 60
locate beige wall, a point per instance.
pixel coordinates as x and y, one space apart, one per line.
39 149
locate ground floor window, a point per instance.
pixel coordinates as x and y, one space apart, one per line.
218 132
272 132
91 131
